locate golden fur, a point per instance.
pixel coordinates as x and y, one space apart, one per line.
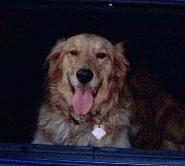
158 120
58 122
134 110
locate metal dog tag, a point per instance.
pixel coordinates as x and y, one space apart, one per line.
98 131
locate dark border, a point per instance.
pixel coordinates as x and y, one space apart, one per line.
24 154
165 6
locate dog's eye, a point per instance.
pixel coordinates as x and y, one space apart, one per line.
101 55
73 52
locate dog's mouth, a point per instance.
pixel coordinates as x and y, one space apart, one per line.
83 97
94 90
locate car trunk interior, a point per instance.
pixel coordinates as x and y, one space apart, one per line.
153 37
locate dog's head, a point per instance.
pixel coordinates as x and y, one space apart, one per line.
88 71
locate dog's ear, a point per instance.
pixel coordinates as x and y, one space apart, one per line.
54 61
120 61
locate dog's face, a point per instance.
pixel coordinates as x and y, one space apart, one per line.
88 70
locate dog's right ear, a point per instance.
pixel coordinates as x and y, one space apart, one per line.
54 60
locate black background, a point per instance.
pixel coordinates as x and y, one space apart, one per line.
154 40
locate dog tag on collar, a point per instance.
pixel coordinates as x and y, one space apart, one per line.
98 131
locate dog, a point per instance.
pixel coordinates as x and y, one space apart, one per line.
95 99
84 104
158 119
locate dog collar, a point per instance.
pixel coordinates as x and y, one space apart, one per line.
75 121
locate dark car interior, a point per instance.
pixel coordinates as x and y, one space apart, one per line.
154 37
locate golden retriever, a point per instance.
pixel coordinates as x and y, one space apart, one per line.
158 120
84 104
92 101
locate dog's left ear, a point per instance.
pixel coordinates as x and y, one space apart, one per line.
121 66
120 61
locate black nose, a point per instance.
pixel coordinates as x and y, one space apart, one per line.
84 75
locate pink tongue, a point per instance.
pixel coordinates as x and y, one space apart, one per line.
82 100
